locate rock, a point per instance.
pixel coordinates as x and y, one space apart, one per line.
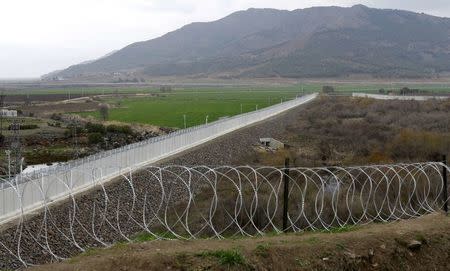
414 245
350 255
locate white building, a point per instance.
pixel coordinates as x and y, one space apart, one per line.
8 113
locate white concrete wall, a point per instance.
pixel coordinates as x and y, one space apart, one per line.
30 192
397 97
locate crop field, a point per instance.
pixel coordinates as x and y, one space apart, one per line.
309 87
171 109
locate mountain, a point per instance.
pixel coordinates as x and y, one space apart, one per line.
312 42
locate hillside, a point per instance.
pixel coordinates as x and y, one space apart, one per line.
313 42
372 247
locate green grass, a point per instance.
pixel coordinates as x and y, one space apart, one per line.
341 229
226 257
169 109
146 237
339 86
262 250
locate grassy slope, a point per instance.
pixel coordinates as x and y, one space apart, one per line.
372 247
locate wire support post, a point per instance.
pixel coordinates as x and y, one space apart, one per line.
285 195
445 183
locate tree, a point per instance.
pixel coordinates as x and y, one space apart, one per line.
165 89
104 111
327 89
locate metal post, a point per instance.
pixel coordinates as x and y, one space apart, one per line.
207 119
445 182
286 195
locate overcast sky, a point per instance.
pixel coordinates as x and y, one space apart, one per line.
39 36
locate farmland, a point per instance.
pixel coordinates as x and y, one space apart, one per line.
169 109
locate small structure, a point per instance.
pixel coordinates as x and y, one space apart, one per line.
273 143
8 113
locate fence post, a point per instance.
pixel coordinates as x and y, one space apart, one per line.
285 194
444 179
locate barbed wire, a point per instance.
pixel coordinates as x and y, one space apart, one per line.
179 202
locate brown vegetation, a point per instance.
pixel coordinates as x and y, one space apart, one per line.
342 130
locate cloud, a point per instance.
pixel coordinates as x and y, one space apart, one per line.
57 33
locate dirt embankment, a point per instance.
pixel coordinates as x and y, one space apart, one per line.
420 244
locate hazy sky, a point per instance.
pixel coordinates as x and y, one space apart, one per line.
39 36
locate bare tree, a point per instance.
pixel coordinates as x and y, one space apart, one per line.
104 111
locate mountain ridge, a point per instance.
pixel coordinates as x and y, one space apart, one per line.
313 42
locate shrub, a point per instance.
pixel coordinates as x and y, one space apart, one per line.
95 138
25 127
121 129
226 257
327 89
71 130
56 116
95 128
104 111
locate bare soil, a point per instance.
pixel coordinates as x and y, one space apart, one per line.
371 247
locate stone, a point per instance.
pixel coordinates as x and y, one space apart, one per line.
414 245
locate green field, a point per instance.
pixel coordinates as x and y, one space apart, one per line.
308 87
169 109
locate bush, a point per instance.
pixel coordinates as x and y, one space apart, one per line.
72 129
95 128
327 89
104 111
56 116
25 127
120 129
95 138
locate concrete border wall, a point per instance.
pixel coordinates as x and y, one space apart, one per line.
397 97
28 193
